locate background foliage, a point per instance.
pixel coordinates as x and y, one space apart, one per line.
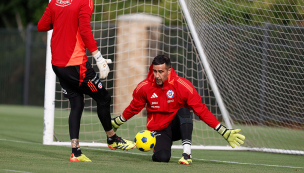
29 11
20 13
285 12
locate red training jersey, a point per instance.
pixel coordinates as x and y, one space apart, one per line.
71 24
162 103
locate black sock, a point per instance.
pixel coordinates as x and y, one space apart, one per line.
110 140
76 151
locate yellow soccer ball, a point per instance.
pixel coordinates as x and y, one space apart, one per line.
145 140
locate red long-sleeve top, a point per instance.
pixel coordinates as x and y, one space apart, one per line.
162 103
70 21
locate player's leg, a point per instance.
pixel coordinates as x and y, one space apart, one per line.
77 105
92 86
182 127
103 100
66 77
162 149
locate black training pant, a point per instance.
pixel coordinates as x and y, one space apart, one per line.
76 81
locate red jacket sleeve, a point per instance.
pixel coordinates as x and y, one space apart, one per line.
138 102
45 23
84 17
194 101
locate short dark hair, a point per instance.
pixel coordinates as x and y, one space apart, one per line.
161 59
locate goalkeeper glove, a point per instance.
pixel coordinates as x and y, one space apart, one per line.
232 136
116 122
102 65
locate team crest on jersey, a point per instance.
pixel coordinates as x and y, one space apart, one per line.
100 85
170 94
63 3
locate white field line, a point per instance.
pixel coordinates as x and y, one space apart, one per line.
198 159
14 171
128 152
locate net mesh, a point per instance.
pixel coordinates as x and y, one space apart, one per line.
254 48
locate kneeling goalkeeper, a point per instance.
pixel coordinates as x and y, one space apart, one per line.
168 99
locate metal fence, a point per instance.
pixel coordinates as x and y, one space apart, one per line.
22 60
22 66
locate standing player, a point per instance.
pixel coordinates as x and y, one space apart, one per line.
70 21
168 99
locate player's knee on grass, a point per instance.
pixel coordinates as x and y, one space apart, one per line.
161 156
184 116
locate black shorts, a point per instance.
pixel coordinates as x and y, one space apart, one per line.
80 79
165 138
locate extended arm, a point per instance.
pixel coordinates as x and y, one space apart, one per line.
88 38
136 105
194 101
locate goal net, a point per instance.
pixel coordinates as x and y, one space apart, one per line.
245 59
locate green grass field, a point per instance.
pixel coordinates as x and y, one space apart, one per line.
21 150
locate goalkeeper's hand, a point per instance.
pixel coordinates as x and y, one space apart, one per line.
232 136
116 122
102 65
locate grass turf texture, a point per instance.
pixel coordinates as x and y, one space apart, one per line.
268 137
21 149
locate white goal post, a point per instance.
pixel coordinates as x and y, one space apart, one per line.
246 64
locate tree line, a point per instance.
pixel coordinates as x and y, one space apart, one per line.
19 13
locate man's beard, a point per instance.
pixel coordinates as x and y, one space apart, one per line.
158 82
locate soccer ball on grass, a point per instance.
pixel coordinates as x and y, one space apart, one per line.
145 140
